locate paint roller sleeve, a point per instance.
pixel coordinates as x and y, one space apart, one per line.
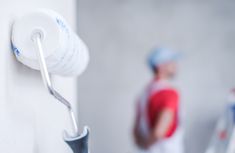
62 47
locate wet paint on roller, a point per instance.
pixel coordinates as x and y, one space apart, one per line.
62 24
15 50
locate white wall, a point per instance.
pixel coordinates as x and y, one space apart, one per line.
120 34
31 121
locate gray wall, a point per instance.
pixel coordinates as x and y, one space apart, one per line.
120 33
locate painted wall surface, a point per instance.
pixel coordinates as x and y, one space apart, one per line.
31 121
120 34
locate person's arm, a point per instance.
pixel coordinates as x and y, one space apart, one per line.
162 125
138 138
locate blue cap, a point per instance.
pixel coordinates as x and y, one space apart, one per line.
162 55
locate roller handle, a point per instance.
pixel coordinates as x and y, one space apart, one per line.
79 144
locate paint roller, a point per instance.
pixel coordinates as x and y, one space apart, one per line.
42 40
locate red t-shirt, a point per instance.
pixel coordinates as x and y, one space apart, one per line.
163 99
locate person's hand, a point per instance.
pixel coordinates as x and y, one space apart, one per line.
141 142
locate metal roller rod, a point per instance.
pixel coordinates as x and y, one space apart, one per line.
47 81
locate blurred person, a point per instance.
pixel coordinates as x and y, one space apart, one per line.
157 128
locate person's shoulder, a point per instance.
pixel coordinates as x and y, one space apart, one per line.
163 88
168 92
168 97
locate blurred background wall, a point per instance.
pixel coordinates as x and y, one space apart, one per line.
120 34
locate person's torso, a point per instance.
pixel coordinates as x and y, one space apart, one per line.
158 96
156 104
